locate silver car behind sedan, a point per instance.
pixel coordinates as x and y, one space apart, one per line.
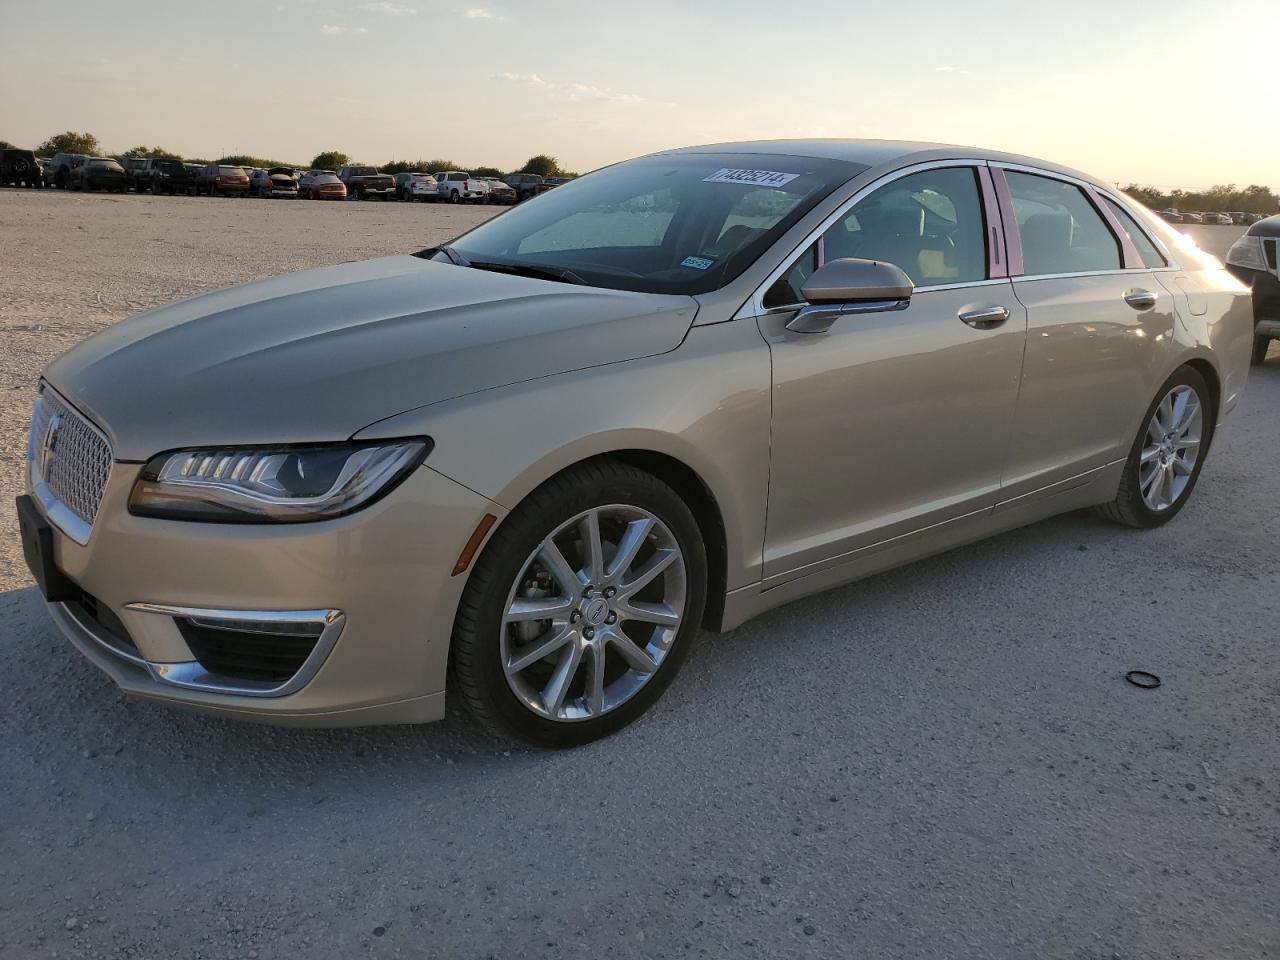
672 394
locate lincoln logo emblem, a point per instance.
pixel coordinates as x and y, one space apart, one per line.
50 441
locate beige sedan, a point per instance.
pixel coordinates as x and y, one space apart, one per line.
528 466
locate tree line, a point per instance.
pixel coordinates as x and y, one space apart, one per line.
71 141
1223 197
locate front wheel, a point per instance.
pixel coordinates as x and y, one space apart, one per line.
1165 459
1260 347
582 607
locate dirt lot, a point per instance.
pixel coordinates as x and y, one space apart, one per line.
942 761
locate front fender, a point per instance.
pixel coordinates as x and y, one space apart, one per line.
705 404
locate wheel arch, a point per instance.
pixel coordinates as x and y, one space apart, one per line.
688 484
1206 369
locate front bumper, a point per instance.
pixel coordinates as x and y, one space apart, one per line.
382 575
1266 298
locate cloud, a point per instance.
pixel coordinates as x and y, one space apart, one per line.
482 13
589 91
390 9
528 79
331 30
949 69
573 92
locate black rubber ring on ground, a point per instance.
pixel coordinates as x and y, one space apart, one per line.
1140 678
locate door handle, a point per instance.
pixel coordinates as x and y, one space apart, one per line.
984 318
1140 299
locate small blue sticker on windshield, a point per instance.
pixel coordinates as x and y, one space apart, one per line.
698 263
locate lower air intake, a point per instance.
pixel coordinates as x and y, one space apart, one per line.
255 650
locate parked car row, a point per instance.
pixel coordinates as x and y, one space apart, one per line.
1238 217
159 175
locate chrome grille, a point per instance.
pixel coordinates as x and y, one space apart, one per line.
69 456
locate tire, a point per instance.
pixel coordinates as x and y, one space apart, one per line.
518 708
1260 347
1130 507
454 197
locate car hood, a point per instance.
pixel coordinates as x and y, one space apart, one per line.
318 355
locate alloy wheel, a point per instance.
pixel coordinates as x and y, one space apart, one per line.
593 613
1171 448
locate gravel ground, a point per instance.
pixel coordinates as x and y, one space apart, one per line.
943 761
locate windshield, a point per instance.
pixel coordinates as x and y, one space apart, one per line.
231 171
680 223
362 172
106 165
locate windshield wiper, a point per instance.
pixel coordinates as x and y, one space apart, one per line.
519 269
529 270
454 256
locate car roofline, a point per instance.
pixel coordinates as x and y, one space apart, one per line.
882 154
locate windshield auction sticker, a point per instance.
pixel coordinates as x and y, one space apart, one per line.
754 178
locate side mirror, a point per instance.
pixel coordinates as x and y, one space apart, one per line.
849 285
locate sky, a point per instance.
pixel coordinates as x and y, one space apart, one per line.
1168 93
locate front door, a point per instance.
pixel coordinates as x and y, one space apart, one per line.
892 422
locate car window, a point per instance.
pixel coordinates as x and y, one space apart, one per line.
930 224
1061 231
1151 257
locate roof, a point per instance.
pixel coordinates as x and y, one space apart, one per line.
1270 227
875 153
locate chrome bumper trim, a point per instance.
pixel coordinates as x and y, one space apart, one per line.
191 675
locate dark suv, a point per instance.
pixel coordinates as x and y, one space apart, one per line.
526 185
363 181
1253 260
57 170
19 167
163 176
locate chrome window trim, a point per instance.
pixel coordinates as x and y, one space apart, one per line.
57 512
754 306
1080 273
935 288
191 675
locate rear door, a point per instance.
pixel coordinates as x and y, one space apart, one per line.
1098 321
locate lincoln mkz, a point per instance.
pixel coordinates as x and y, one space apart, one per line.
528 466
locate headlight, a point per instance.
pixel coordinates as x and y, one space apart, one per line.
272 485
1248 252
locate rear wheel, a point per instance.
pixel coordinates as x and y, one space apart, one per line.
1165 459
1260 347
582 607
454 196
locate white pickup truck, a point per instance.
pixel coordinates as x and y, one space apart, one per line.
456 187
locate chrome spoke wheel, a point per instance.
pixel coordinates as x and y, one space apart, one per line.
1170 448
593 613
